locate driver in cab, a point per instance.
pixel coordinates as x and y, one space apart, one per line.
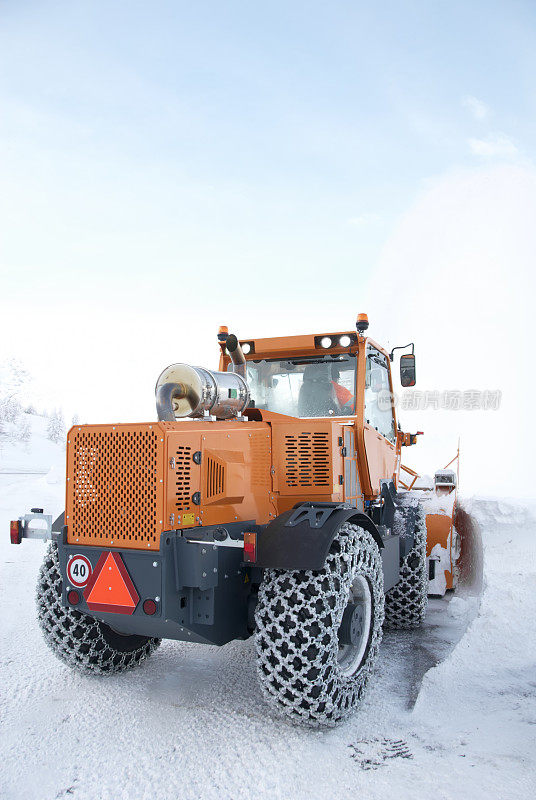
344 396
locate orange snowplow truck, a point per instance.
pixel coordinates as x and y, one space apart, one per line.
267 501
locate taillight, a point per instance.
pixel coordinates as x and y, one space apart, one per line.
250 546
73 597
149 607
15 531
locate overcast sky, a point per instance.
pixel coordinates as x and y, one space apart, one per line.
278 167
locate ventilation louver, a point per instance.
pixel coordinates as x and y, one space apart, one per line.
307 460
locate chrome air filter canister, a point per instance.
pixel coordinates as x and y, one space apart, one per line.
186 391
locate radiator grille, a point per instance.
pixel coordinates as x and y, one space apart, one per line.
307 461
183 478
114 493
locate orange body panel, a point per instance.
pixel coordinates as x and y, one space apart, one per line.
307 462
233 476
307 458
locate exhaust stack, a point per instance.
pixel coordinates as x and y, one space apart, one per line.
237 356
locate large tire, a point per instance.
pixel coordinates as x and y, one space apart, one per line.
406 603
304 669
79 640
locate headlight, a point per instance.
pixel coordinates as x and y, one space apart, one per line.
344 341
246 348
325 342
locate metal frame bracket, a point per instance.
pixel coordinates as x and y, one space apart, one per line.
36 532
316 514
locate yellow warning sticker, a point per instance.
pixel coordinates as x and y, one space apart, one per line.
188 519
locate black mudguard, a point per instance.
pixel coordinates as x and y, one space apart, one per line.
59 522
300 538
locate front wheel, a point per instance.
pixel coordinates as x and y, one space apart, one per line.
406 603
318 632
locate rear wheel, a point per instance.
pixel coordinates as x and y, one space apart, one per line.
406 603
318 632
79 640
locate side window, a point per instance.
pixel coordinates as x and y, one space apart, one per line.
378 409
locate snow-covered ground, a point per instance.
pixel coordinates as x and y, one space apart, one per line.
451 712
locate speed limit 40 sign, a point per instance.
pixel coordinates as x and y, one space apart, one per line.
79 570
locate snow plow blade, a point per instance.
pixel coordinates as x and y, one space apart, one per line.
453 542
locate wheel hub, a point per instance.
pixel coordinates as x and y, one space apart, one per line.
354 630
353 624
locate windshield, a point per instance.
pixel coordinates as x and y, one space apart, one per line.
304 387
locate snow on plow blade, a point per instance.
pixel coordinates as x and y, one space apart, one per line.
470 563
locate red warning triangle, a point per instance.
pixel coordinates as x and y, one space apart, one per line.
110 587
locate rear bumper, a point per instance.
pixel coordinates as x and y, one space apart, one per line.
200 589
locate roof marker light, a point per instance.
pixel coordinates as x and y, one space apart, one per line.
362 323
246 348
325 342
345 341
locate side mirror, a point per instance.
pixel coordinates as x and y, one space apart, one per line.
407 370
